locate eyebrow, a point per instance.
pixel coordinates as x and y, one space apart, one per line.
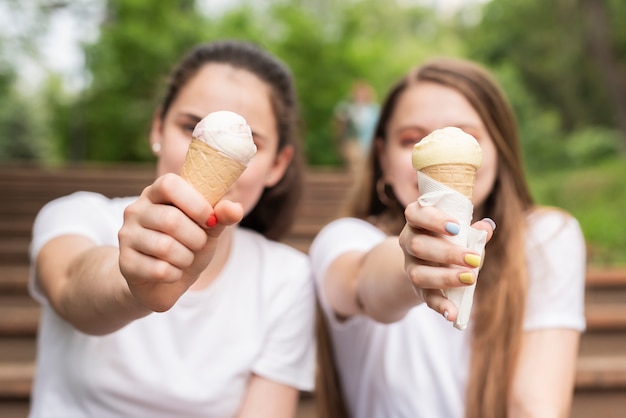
191 116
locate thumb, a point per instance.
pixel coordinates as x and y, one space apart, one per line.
487 225
225 213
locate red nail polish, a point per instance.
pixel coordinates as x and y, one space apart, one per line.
212 221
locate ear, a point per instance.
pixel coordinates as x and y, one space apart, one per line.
156 132
280 165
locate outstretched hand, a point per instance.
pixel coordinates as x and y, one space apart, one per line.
168 238
432 262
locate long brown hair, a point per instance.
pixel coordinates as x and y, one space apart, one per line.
500 297
274 213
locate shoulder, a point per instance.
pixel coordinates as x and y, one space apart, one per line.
82 210
83 213
349 229
78 200
351 233
341 236
556 271
548 225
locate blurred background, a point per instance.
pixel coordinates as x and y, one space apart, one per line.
79 79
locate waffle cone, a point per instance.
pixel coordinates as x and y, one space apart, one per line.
459 177
209 171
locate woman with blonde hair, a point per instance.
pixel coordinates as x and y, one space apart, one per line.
380 271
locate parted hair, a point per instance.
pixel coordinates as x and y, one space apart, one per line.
273 215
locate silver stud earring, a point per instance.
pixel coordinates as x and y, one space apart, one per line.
156 147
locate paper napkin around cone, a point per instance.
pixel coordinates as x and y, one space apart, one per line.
434 193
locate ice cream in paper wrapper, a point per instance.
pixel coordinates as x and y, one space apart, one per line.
220 150
446 161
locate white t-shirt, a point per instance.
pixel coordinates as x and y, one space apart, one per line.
417 367
191 361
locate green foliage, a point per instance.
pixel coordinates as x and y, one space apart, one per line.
369 40
592 145
541 52
20 122
139 42
550 45
595 196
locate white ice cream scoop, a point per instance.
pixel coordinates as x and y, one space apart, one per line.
228 133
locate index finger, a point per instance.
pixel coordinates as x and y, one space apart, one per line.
171 189
431 219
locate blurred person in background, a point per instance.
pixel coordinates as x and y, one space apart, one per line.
354 122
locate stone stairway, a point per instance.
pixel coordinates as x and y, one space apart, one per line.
601 374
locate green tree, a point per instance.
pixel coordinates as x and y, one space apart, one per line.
138 42
569 54
327 48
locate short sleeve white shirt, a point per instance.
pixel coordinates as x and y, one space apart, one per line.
418 366
191 361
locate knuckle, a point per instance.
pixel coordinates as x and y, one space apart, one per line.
416 246
169 219
163 245
162 271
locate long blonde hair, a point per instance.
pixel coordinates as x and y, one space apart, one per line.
500 297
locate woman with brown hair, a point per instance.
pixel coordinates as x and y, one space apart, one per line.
162 305
380 272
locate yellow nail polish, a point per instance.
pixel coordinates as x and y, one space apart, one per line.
467 277
472 260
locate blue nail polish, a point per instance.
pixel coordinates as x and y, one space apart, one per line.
490 222
453 228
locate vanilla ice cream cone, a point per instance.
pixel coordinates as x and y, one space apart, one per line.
451 157
218 154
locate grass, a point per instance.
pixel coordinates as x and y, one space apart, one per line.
596 196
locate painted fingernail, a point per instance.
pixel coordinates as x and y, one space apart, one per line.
490 222
472 260
212 221
452 228
445 314
466 277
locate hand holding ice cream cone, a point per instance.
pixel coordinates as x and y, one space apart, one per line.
219 152
451 157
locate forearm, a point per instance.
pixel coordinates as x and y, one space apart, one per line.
383 289
544 380
84 286
266 398
99 299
